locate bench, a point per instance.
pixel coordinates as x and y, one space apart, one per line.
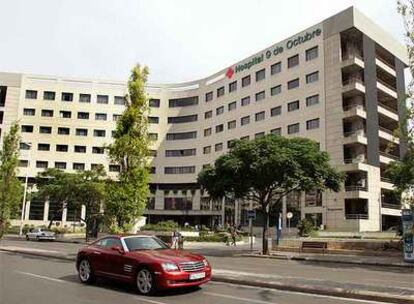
314 246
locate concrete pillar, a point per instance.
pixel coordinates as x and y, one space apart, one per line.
46 211
83 212
64 213
27 210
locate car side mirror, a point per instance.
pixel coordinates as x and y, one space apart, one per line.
118 248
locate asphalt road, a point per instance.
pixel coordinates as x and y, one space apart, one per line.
31 279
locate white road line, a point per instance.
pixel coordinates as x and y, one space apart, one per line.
294 292
41 277
150 301
237 298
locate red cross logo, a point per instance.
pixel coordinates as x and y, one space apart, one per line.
230 73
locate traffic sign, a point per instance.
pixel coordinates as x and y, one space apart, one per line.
289 215
251 214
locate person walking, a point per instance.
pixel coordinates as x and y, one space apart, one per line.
175 239
233 234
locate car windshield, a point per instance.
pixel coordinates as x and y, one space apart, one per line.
144 243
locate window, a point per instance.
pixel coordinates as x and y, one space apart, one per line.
220 110
245 120
179 170
293 61
231 125
95 166
100 116
48 95
245 137
114 168
65 114
312 77
183 102
63 131
230 143
60 165
182 135
207 150
232 106
119 100
260 116
276 90
245 101
260 75
98 150
81 132
293 84
153 136
43 147
31 94
78 166
113 133
154 103
85 98
219 128
152 153
312 100
62 148
312 53
153 170
260 96
80 149
276 111
45 130
209 96
276 68
24 146
182 119
29 112
27 129
83 115
232 86
260 134
23 163
218 147
47 113
294 128
180 153
177 203
246 81
208 114
293 106
220 91
99 133
277 131
102 99
312 124
41 164
67 96
313 198
116 117
207 132
151 119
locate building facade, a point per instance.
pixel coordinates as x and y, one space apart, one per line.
339 82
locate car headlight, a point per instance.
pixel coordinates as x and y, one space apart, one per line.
169 267
205 262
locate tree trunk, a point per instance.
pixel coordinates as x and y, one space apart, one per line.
265 247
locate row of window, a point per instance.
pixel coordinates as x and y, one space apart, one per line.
43 164
63 131
68 114
63 148
260 75
66 96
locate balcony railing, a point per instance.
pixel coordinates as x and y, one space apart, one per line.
356 216
387 85
354 106
388 108
360 132
386 130
391 206
356 188
355 160
386 179
351 81
396 157
384 61
352 54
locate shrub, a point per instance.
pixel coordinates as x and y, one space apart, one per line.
305 227
161 226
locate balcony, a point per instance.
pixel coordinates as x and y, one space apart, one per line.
355 110
355 160
352 188
387 134
353 86
356 216
385 66
355 136
352 57
387 89
388 111
391 206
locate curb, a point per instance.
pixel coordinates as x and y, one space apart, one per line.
310 289
310 259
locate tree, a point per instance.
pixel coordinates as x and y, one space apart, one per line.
74 190
267 169
127 196
10 186
401 172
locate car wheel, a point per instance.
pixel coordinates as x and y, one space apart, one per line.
146 281
27 238
85 272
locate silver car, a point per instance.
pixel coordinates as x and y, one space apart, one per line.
39 234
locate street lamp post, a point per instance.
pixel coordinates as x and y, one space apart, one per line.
25 190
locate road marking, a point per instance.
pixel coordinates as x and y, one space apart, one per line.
291 292
41 277
150 301
237 298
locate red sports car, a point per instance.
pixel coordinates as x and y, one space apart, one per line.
144 260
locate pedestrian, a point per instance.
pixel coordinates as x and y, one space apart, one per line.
175 238
233 234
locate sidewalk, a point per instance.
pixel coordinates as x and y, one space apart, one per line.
392 261
298 283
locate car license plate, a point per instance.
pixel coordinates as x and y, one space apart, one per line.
196 276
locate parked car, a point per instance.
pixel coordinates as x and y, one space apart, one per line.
40 234
142 260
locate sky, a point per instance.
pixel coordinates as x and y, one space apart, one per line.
179 40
